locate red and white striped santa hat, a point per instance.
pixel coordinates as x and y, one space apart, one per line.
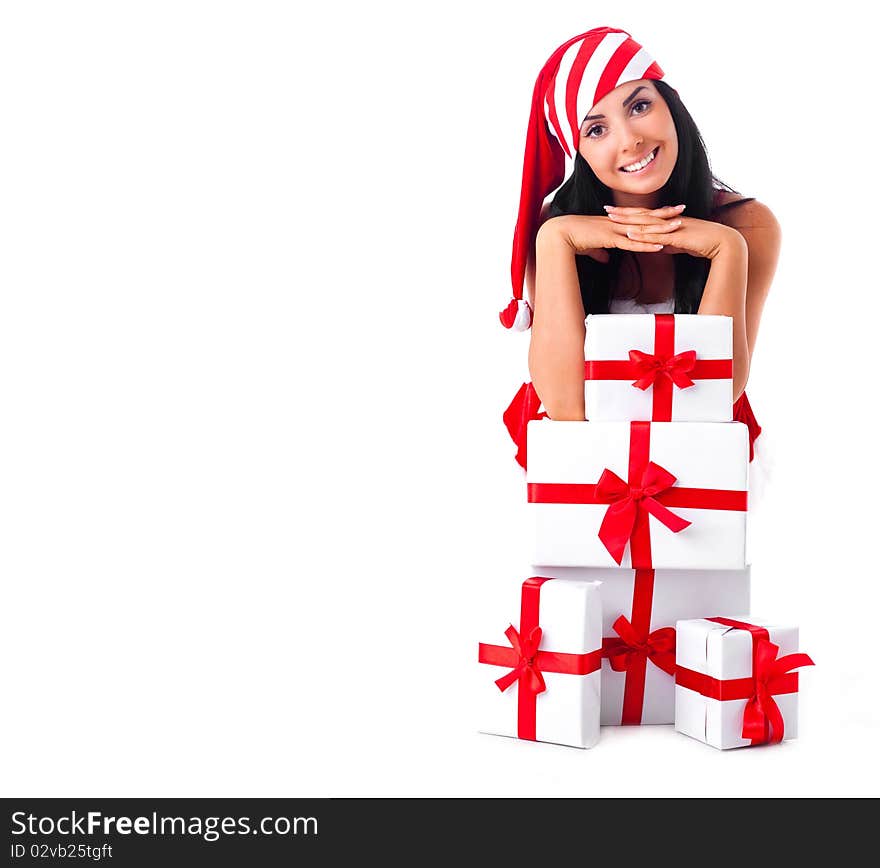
578 74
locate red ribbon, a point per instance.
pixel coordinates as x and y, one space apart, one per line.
528 662
742 412
649 491
634 646
771 676
661 369
523 408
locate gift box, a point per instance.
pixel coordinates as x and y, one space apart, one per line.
735 681
639 611
647 495
541 680
658 367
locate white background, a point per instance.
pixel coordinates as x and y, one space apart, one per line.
256 498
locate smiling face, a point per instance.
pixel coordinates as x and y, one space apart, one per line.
628 124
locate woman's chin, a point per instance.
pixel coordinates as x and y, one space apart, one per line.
639 189
640 186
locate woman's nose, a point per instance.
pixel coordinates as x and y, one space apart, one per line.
632 143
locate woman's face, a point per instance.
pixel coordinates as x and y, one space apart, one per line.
635 123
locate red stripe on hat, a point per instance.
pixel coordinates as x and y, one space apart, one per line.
573 85
653 71
615 67
552 67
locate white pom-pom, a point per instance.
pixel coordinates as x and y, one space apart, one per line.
523 319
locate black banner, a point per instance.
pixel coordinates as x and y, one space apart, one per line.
341 832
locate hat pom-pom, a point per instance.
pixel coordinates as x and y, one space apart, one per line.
517 315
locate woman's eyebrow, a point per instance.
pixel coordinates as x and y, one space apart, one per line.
626 102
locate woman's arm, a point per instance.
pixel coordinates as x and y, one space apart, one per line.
760 228
741 293
556 350
725 293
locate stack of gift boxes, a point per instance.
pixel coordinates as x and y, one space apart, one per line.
636 608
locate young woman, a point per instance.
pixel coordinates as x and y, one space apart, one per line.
641 225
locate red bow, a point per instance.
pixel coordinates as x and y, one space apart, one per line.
649 367
626 502
621 653
762 714
526 668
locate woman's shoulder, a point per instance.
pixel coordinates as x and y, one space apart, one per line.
723 201
741 212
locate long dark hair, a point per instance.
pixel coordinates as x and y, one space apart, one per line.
691 182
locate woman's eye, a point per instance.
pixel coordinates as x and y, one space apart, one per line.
591 130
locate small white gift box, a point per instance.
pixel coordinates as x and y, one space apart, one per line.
668 495
735 681
540 680
658 367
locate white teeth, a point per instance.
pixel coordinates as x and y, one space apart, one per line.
634 167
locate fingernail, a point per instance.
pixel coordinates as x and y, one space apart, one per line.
607 207
676 223
681 207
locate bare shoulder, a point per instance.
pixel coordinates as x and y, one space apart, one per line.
748 215
758 226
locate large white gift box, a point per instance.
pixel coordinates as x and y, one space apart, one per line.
540 679
666 495
658 367
735 681
639 611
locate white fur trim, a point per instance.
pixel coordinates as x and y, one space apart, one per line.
523 316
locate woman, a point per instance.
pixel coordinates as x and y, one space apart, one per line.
639 227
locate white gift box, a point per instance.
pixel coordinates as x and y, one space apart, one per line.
715 683
684 362
652 601
708 460
568 658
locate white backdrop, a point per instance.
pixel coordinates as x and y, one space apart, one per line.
256 499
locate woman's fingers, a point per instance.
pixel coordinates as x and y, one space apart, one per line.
654 237
665 211
621 227
663 227
636 246
640 219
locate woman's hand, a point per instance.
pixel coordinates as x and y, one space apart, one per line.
701 238
593 236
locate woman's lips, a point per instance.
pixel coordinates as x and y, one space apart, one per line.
642 171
